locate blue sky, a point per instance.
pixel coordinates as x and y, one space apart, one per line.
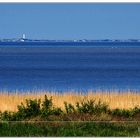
70 21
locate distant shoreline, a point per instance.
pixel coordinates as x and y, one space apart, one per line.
68 42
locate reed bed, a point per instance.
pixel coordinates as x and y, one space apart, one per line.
124 100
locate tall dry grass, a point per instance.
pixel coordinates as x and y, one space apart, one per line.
114 99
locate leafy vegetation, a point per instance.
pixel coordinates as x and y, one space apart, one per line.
69 108
91 107
49 109
32 108
125 112
45 109
122 112
86 110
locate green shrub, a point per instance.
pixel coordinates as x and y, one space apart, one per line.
122 112
49 109
86 106
91 107
101 107
0 115
7 116
136 110
47 106
31 108
10 116
56 111
69 108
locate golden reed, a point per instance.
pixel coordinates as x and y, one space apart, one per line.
114 99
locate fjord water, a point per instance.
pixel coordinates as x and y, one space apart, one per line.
66 68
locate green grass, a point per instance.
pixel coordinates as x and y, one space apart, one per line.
69 129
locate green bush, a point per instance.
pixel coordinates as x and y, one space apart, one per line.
122 112
0 115
136 110
86 106
69 108
6 116
91 107
31 108
101 107
48 108
56 111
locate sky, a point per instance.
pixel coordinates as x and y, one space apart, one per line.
70 21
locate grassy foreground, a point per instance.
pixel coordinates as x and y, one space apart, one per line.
83 115
70 129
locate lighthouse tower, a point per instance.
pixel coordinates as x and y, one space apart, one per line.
23 36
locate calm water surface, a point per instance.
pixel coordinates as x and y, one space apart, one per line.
69 68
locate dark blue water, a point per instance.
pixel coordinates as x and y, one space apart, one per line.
69 68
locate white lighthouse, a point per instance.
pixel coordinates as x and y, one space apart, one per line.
23 36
